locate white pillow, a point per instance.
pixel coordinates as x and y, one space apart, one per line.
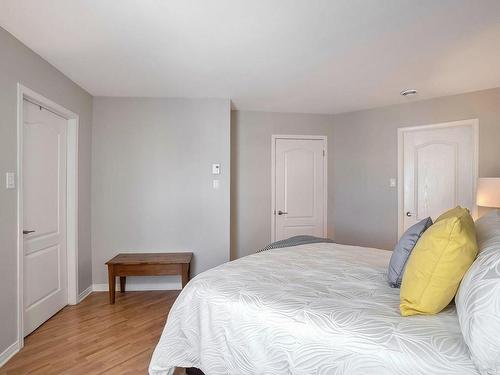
478 298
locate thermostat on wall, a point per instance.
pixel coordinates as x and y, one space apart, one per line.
215 168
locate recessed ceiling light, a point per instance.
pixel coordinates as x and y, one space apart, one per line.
409 92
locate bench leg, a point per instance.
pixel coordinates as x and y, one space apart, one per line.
185 274
111 281
123 279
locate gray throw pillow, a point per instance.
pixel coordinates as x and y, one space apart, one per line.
403 250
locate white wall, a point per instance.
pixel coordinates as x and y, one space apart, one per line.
20 64
152 182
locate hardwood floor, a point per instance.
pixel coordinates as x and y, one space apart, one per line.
95 337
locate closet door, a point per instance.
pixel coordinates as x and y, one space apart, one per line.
300 199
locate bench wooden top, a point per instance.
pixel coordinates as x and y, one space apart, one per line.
151 258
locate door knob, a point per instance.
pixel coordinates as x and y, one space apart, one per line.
282 213
409 214
28 231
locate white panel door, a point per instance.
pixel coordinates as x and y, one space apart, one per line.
44 212
439 171
300 188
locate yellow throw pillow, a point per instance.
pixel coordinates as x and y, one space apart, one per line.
456 212
438 263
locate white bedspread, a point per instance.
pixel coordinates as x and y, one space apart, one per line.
310 309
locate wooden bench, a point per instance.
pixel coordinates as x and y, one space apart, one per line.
146 264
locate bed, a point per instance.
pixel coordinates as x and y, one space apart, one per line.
312 309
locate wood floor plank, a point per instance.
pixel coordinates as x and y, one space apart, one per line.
95 337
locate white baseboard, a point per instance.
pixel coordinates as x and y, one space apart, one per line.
85 293
8 353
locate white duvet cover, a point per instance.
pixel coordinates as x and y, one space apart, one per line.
310 309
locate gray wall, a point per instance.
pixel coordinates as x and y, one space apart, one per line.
365 157
251 172
151 172
152 182
362 157
19 64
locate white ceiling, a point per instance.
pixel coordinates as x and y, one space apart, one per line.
324 56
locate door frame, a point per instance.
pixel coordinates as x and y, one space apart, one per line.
274 138
71 198
472 123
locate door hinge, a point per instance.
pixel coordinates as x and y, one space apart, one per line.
324 152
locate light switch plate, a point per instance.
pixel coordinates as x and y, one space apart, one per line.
215 184
10 180
392 182
215 168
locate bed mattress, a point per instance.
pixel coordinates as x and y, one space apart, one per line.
312 309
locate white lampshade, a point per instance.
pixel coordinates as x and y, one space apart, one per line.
488 192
